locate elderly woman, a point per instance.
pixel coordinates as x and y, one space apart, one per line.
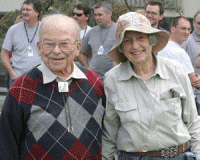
150 112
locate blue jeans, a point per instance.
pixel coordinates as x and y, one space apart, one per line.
129 156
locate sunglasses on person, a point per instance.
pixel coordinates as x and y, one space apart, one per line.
77 14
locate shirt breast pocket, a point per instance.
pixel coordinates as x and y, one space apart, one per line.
171 109
128 112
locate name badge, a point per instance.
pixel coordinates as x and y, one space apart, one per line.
63 87
100 51
30 51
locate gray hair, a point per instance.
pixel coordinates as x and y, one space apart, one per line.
196 14
46 17
106 6
153 39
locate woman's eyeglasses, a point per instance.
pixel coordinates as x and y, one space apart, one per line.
77 14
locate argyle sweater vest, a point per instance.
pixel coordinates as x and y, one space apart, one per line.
36 117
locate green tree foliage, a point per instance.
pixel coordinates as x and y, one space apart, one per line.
7 20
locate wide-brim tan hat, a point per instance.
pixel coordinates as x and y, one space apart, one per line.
137 22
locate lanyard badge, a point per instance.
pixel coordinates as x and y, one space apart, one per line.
101 49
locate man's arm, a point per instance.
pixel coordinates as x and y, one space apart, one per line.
6 61
83 60
197 64
195 79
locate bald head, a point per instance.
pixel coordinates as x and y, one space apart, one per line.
59 23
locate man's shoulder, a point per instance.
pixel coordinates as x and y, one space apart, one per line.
34 73
172 50
90 74
29 79
170 64
16 26
95 28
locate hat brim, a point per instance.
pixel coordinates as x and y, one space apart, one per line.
162 40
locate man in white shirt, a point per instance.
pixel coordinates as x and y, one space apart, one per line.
180 30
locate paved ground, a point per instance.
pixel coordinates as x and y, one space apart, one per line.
3 91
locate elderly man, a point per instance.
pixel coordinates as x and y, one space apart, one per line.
150 106
99 40
22 40
55 110
192 44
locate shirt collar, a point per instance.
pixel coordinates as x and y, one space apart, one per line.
49 76
127 71
174 43
195 36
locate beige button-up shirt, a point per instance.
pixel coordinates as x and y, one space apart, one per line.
160 112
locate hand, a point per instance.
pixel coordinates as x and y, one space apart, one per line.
13 75
196 82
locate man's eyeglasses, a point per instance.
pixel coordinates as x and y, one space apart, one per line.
77 14
185 29
64 46
152 13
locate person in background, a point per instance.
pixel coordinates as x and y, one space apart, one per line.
22 39
55 110
150 107
81 15
180 30
192 44
7 77
155 13
99 40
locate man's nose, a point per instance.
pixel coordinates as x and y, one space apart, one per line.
56 49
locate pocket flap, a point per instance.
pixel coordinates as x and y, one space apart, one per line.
126 106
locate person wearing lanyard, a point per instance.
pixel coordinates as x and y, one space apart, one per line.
22 40
81 14
99 40
150 106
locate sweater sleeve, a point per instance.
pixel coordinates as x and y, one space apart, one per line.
10 129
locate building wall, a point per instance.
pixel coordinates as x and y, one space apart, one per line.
191 7
10 5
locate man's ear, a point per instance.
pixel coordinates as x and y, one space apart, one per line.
161 16
172 28
78 48
87 16
110 13
39 47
